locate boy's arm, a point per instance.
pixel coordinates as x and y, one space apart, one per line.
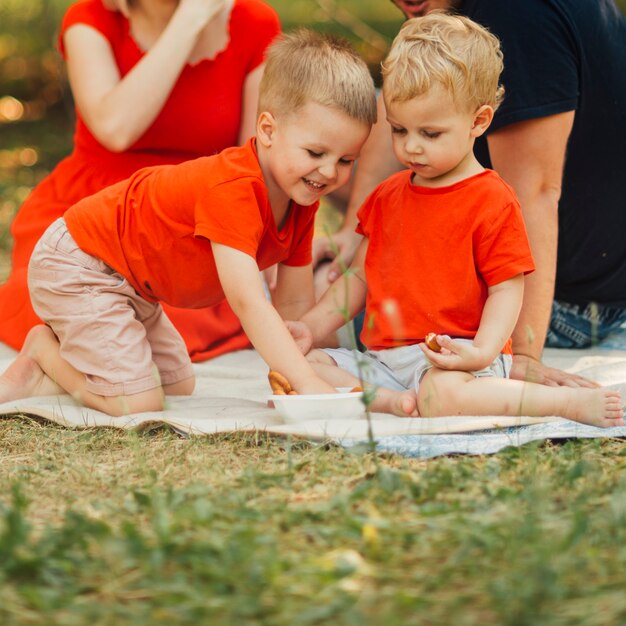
242 284
499 317
342 300
497 322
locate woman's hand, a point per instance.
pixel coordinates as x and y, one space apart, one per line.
339 249
202 11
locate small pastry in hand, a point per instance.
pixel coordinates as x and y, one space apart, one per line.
431 341
279 384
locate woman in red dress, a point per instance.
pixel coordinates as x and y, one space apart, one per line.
154 82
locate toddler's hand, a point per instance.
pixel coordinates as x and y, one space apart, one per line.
301 334
456 355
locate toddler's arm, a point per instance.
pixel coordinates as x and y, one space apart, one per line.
242 284
341 301
497 322
293 294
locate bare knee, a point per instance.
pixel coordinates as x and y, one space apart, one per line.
38 337
181 388
440 392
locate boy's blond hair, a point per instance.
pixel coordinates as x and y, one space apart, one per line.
306 66
447 50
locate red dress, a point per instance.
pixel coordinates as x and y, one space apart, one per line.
201 117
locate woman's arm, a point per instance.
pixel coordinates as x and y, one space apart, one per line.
250 98
119 110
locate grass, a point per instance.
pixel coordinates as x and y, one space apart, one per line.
106 527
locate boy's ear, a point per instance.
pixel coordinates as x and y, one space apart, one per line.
482 120
265 128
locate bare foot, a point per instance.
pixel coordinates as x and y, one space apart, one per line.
400 403
596 407
24 379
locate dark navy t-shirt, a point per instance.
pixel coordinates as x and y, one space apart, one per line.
564 55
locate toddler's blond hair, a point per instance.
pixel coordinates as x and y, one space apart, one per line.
447 50
306 66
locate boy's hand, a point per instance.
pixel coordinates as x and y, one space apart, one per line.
314 385
456 355
301 334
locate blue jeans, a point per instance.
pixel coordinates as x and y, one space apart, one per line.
576 326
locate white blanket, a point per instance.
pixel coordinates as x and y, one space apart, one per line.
232 393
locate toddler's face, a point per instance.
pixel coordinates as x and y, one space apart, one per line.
432 137
313 151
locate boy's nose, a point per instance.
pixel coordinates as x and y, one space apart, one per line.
413 146
328 170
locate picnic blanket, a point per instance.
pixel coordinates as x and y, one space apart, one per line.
232 392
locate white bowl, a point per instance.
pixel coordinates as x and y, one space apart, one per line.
300 408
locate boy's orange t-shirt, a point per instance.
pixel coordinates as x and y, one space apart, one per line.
433 253
155 227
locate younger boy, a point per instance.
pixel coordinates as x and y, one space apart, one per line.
444 248
192 234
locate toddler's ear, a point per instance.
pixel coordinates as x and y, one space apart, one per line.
482 120
265 128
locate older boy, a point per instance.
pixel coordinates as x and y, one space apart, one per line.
190 235
444 247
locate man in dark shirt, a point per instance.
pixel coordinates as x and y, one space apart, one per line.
559 139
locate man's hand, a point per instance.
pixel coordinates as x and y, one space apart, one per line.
339 250
530 370
301 334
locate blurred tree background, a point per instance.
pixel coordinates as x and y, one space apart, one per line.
36 119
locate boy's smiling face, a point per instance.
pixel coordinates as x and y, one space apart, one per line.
434 139
309 153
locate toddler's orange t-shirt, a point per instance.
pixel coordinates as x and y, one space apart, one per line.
433 253
156 227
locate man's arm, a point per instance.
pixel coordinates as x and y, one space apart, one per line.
530 156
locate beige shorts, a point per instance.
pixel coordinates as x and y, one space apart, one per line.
123 344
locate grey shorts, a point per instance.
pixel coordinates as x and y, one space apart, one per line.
121 342
402 368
